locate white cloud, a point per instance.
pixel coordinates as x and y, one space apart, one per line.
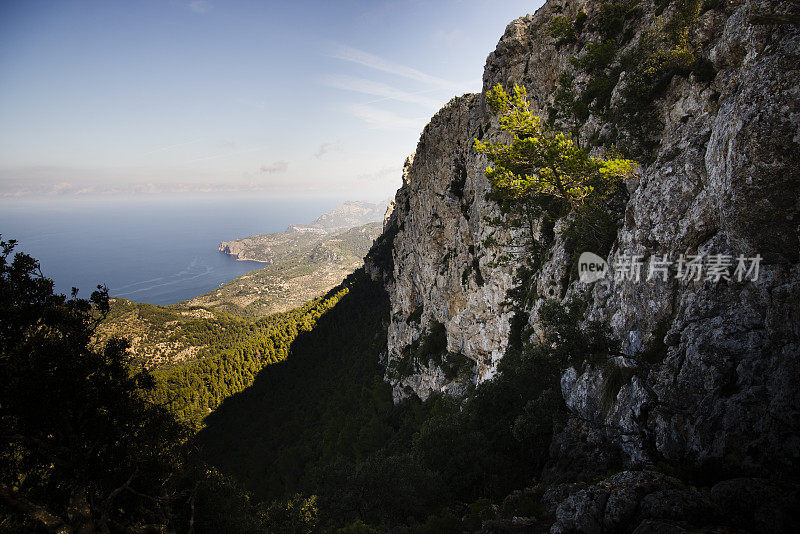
63 187
227 154
380 118
170 147
369 87
449 37
104 183
199 6
354 55
65 182
276 167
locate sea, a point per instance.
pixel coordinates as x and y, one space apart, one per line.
156 250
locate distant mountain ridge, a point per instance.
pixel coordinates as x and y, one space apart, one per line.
269 248
346 215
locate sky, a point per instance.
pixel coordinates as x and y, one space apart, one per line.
165 97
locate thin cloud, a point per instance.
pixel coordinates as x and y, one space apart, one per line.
199 6
370 87
259 105
323 149
449 37
62 182
170 147
380 118
276 167
381 175
226 154
359 57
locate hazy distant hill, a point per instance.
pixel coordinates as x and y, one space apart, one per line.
346 215
271 248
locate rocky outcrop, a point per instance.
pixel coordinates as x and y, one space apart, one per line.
351 213
711 365
724 182
441 271
651 502
232 248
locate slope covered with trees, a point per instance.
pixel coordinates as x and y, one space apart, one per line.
81 447
321 428
234 351
300 266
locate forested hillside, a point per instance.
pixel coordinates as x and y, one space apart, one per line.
320 428
234 352
199 327
82 448
466 379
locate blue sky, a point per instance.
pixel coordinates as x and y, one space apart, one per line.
178 97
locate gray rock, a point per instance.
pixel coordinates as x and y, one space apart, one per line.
649 526
724 180
611 505
758 505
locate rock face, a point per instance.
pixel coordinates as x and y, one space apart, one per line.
441 271
720 381
232 248
651 502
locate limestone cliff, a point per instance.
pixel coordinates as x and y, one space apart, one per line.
720 175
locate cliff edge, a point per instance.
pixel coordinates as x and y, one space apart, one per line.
710 365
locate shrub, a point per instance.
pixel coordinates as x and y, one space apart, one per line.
566 31
613 16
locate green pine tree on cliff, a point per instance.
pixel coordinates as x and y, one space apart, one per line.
541 175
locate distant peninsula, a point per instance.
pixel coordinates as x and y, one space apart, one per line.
273 248
302 263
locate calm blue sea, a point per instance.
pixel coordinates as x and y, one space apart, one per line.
159 251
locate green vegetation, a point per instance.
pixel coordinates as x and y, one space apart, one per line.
238 314
663 51
235 350
160 335
81 449
566 109
542 164
542 175
430 347
566 31
613 16
372 464
302 266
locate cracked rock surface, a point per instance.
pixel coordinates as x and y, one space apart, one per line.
724 180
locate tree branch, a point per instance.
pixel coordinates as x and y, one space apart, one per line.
51 522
